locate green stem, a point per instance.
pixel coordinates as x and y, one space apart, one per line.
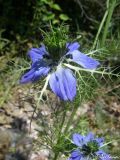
56 156
110 13
59 134
99 30
70 120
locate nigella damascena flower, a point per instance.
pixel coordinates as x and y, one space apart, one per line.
88 148
62 80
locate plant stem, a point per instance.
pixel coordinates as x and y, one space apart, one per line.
100 28
56 155
110 13
59 133
70 120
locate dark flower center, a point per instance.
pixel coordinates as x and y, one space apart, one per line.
40 63
49 61
57 54
90 148
53 60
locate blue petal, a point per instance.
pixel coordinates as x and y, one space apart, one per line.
63 84
43 71
84 60
76 155
38 69
27 77
78 139
103 156
36 54
34 75
100 141
76 158
89 137
72 46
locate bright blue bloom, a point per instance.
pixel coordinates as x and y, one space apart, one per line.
62 80
88 148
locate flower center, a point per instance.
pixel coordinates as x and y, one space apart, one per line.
49 61
90 148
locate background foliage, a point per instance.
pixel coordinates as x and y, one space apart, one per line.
22 23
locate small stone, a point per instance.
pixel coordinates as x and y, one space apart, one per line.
5 119
41 155
5 142
28 107
45 113
45 152
17 112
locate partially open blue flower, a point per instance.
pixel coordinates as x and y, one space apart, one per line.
62 80
88 147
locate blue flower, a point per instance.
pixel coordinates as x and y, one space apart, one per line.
88 148
62 80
